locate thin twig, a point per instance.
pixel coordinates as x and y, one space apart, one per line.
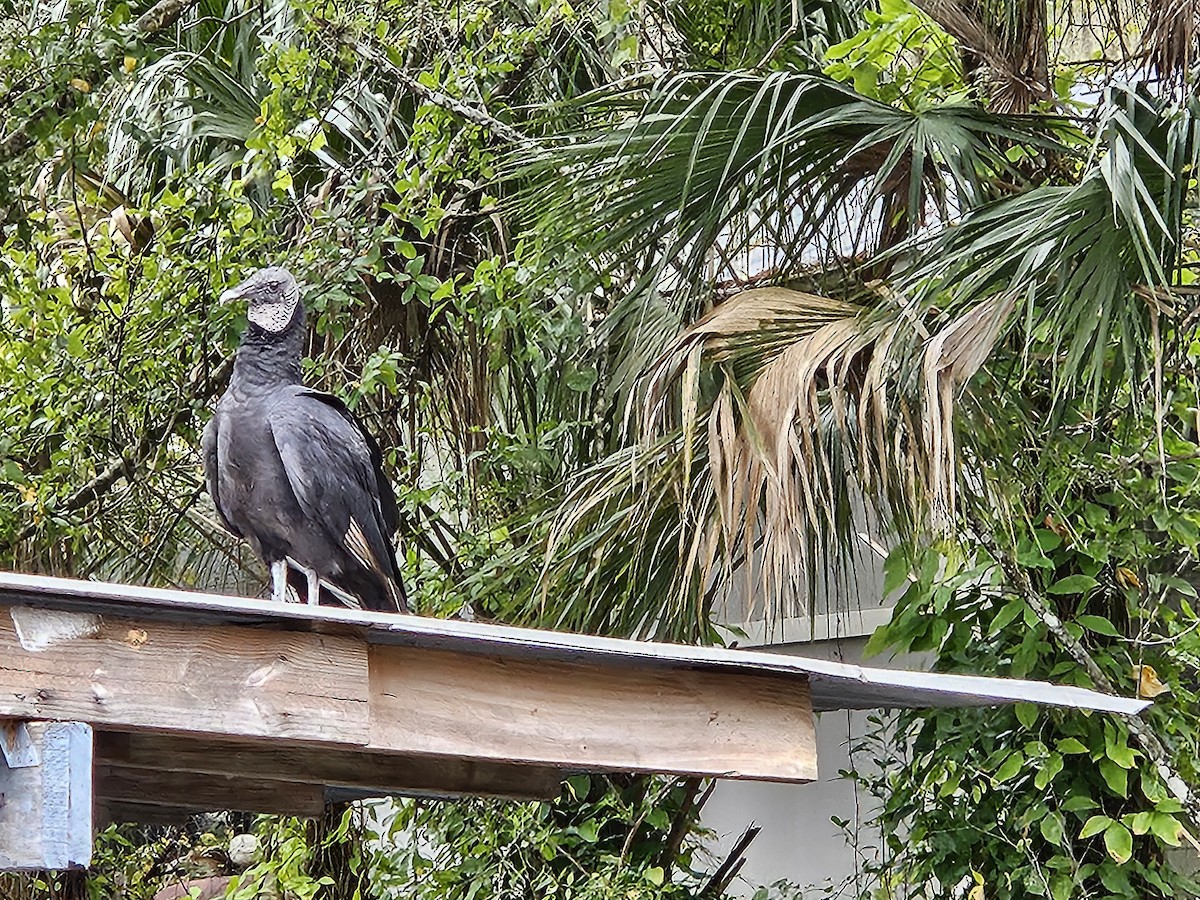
728 870
471 114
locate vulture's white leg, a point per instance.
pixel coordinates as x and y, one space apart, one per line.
314 587
279 581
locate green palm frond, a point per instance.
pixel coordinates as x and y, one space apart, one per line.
746 33
1091 263
705 151
769 169
183 110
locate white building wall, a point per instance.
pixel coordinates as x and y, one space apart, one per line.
798 843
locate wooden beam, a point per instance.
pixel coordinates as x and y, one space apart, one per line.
46 808
207 792
592 716
294 688
370 773
174 676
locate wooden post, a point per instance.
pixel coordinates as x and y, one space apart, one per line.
46 797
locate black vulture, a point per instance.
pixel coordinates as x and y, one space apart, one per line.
291 469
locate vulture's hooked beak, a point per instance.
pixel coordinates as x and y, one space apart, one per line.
233 293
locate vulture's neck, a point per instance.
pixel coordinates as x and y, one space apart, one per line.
267 359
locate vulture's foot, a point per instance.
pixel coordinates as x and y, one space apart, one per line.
279 581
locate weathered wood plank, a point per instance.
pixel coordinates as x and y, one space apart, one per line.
381 773
592 716
207 792
46 809
169 675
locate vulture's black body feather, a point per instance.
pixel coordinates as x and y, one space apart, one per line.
292 470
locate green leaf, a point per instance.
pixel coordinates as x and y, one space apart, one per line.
654 875
581 379
1071 745
579 786
1030 555
896 569
1072 584
1010 611
1098 624
1078 803
1051 827
243 215
1139 823
1094 826
75 345
1010 767
1026 713
1115 777
1050 768
1047 539
1166 828
1116 749
1118 842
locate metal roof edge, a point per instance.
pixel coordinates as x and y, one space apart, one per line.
834 685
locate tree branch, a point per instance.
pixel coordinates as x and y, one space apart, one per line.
1142 731
160 16
127 463
728 870
471 114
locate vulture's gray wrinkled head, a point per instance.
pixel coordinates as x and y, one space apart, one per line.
273 295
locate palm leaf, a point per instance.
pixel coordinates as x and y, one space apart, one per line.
770 170
1081 259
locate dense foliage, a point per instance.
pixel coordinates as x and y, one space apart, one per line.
647 303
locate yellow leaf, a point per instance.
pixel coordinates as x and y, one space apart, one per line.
80 85
1147 681
129 64
1126 577
1057 527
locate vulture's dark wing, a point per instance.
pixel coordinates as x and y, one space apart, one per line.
208 451
387 497
334 476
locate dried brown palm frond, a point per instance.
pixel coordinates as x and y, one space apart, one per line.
1170 39
819 402
1005 54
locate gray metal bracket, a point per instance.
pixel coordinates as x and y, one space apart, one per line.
20 752
45 795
